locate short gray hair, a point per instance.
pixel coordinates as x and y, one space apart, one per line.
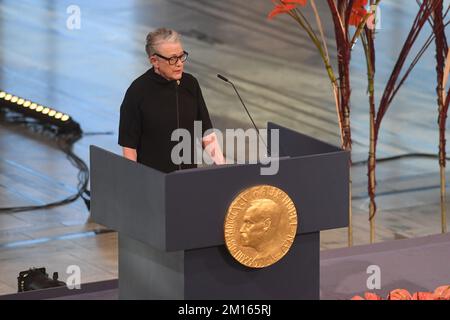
158 36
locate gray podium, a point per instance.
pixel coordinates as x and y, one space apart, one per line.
171 237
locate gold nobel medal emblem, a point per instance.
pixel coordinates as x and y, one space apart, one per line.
260 226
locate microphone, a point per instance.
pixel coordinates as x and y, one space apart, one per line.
223 78
248 113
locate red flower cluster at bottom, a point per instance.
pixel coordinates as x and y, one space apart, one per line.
441 293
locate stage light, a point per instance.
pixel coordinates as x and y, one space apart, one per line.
36 279
53 124
44 114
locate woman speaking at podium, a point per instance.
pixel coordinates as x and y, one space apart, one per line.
160 101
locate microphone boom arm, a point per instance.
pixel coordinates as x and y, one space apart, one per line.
246 110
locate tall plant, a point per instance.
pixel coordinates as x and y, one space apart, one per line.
426 8
345 13
442 72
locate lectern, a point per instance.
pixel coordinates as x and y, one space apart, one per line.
171 226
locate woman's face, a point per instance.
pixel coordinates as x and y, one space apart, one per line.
162 66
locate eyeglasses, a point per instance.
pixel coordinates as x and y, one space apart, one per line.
173 60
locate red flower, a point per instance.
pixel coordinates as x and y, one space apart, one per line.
358 12
423 296
368 296
285 6
399 294
442 292
300 2
372 296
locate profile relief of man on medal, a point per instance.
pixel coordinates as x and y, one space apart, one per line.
260 224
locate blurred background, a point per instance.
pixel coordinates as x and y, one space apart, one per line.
83 69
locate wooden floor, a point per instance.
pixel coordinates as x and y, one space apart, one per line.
85 73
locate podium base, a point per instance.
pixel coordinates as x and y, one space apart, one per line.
212 273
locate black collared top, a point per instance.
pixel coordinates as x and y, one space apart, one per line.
150 113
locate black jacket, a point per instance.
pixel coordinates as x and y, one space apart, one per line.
150 113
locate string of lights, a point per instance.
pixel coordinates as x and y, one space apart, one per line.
54 124
62 121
